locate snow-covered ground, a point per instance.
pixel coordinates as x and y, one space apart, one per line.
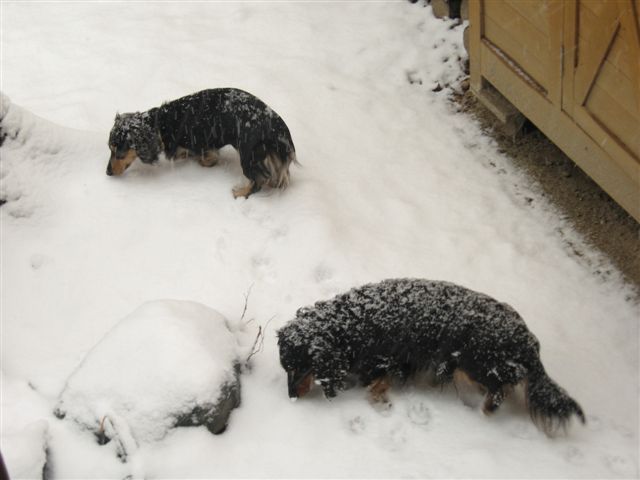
393 183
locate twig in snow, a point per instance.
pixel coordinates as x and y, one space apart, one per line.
258 343
246 303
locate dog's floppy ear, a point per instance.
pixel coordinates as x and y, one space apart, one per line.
330 365
147 142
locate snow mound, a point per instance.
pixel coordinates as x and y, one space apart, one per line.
25 452
35 152
169 363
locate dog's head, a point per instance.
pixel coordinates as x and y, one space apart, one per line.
296 361
131 137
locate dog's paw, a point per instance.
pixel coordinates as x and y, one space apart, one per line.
245 190
240 191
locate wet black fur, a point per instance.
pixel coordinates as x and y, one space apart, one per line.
209 120
400 327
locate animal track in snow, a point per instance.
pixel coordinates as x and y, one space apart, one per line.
279 232
19 211
574 455
395 437
383 408
221 247
258 214
322 273
419 413
524 430
37 260
618 464
260 262
594 423
262 267
622 430
357 425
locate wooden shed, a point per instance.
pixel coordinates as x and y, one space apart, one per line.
572 67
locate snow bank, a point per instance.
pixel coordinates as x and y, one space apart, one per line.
25 436
25 453
32 150
169 363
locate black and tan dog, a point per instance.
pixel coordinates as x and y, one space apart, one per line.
397 328
198 125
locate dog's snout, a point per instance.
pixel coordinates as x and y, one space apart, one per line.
109 169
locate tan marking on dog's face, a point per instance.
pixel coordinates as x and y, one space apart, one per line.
305 385
119 165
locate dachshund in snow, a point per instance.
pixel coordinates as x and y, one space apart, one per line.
397 328
198 125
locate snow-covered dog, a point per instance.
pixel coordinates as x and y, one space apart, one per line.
198 125
396 328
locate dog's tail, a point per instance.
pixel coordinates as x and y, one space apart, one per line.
277 165
549 404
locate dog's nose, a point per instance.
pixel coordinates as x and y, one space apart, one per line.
109 170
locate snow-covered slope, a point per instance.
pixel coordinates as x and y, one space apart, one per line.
393 183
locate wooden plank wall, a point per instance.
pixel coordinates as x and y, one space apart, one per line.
573 68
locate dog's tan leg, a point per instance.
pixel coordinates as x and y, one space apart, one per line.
209 158
244 191
378 389
182 153
305 385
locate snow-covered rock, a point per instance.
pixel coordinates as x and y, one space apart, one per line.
169 363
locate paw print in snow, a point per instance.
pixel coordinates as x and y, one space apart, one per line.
396 437
262 267
419 413
524 430
594 423
619 465
356 424
322 273
37 260
574 455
